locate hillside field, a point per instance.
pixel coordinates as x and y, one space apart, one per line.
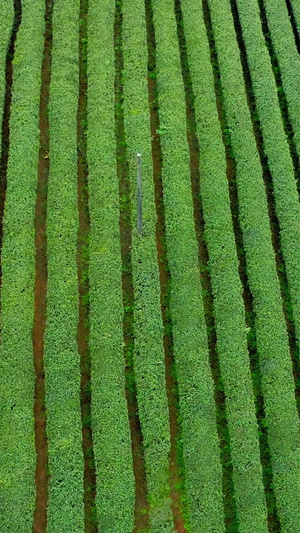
149 266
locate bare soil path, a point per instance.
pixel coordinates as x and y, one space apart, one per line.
40 291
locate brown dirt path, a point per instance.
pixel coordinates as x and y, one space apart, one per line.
40 290
83 283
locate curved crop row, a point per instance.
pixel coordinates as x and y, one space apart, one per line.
149 362
200 441
17 464
283 40
62 369
296 12
111 435
6 25
226 285
272 342
276 148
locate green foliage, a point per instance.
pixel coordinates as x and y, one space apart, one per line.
276 148
296 12
198 453
272 342
226 286
275 143
148 354
17 463
62 365
111 436
283 42
6 25
199 433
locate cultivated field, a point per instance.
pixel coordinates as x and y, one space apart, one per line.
150 381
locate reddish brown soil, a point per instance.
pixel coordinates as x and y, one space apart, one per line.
175 477
85 362
141 512
41 475
83 285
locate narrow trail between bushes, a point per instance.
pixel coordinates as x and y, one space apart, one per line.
273 521
141 512
83 282
176 465
40 290
6 117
